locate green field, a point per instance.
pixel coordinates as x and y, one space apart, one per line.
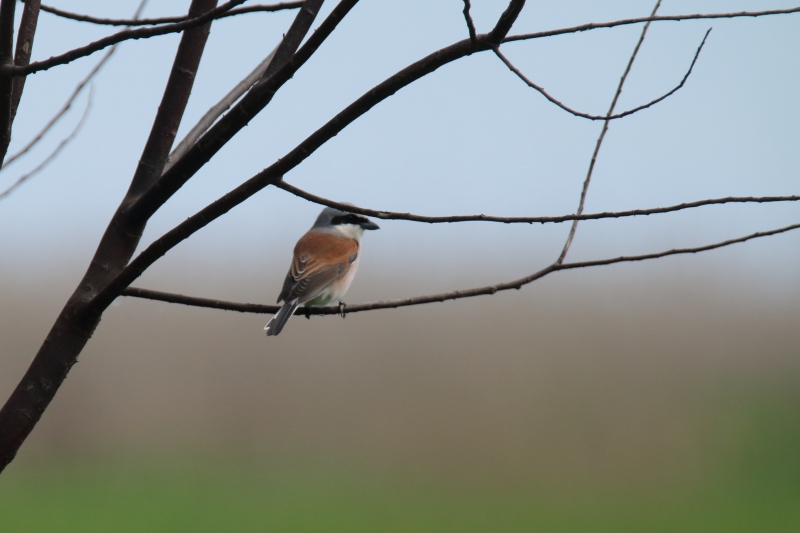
146 498
755 487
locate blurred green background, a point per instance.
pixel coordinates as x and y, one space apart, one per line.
618 399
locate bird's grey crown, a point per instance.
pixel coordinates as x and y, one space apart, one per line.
326 216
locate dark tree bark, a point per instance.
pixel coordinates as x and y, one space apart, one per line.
7 8
22 54
79 318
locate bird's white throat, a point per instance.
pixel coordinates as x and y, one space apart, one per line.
352 231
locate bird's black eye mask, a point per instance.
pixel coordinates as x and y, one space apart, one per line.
348 219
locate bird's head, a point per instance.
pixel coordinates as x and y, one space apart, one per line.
348 224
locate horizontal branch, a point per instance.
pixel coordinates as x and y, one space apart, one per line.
453 295
641 20
392 215
143 33
166 20
125 35
608 117
173 298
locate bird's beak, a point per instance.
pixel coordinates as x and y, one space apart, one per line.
370 225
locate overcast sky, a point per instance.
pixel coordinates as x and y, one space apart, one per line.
470 138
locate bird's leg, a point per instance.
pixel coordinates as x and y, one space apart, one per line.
342 305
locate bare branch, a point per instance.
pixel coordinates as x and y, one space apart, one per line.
173 102
125 35
244 111
599 143
22 54
218 109
49 159
232 122
166 20
263 8
274 173
79 317
470 23
641 20
392 215
66 107
6 81
276 59
203 302
61 112
606 118
7 9
261 95
165 29
506 20
453 295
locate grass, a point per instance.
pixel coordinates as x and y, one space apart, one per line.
754 487
198 497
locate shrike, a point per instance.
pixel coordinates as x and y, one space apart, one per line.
324 264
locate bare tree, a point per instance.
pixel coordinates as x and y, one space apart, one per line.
162 170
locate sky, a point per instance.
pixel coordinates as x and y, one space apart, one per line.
469 138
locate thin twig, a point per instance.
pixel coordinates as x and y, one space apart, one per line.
218 109
165 29
393 215
166 20
470 23
580 114
454 295
125 35
599 143
49 159
66 107
641 20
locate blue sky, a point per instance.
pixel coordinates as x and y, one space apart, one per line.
470 138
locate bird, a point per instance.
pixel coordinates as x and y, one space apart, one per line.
324 264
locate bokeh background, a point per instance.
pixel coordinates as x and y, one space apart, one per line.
660 396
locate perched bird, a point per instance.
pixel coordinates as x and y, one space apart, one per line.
325 261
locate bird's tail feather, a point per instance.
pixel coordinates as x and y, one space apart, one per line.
280 319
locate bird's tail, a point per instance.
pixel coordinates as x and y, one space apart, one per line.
280 319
